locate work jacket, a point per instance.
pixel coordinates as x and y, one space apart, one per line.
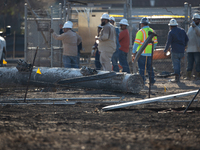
141 36
194 39
107 39
124 40
177 39
70 41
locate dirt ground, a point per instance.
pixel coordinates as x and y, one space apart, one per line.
84 126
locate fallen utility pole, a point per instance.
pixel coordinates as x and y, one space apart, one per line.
150 100
50 77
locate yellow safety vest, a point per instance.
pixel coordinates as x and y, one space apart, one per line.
141 36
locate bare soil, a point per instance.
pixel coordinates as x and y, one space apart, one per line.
156 126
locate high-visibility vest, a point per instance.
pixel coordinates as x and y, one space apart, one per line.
141 36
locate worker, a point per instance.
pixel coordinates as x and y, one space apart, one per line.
115 56
124 42
144 61
177 39
70 41
107 42
79 46
193 48
95 51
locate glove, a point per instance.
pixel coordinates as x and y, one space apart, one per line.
193 24
51 30
92 52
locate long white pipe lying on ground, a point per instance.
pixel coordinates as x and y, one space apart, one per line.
149 100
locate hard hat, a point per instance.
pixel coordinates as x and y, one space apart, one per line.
112 18
124 22
196 16
144 20
68 24
173 22
99 26
105 16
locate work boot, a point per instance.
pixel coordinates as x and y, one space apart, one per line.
176 80
198 76
188 75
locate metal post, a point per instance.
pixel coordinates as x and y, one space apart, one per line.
129 15
60 22
14 45
51 37
25 32
151 68
186 16
192 101
125 9
186 29
64 11
68 11
190 12
60 42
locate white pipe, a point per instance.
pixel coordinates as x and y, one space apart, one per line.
149 100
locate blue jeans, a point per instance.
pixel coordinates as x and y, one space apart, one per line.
191 58
97 61
115 58
123 61
142 61
176 61
70 61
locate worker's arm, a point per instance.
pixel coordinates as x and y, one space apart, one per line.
58 37
121 35
197 29
137 41
104 33
168 42
79 39
135 46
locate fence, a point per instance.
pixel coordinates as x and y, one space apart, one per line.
51 54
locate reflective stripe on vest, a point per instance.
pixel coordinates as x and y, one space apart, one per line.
148 49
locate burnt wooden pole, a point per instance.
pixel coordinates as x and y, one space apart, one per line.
52 77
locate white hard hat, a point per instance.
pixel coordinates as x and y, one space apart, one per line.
105 16
196 16
68 24
112 18
124 22
173 22
144 20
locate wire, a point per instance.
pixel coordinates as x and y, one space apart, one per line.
169 11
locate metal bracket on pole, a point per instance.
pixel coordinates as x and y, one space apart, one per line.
192 101
30 75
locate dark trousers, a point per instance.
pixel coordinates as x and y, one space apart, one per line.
193 57
123 61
